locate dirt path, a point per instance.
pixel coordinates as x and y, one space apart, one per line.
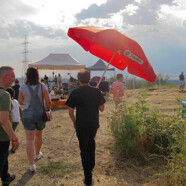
61 166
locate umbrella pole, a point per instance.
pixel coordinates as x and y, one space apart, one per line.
71 138
105 70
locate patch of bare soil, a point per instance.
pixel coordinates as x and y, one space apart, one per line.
61 166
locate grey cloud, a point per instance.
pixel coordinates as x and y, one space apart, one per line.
103 11
21 28
147 12
14 9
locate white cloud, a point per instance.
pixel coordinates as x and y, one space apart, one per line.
58 12
21 28
184 23
11 10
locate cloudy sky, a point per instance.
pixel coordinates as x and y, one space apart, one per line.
159 26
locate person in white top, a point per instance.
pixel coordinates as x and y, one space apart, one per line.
16 111
53 95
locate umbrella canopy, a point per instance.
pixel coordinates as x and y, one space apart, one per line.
104 43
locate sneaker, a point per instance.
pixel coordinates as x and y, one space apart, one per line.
32 168
89 184
39 155
11 151
9 180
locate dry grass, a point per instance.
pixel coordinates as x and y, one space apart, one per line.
109 169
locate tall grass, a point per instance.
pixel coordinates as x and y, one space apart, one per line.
141 131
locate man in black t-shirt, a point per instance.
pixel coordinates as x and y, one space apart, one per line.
87 101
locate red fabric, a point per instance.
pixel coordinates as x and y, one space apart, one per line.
104 42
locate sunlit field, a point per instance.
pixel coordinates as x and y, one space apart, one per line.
62 166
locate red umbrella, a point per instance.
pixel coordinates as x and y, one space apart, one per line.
115 48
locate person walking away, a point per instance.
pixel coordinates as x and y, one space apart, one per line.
59 81
88 101
16 89
55 80
182 82
7 77
46 79
30 96
16 111
117 89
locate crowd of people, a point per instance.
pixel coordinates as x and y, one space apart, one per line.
54 81
87 101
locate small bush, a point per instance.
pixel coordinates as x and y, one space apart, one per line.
140 131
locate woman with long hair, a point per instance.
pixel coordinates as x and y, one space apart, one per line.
31 95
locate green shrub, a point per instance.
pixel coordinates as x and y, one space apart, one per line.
140 131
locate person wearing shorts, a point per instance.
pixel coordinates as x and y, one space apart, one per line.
117 89
181 81
30 96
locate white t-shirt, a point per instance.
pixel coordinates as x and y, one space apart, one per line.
15 110
59 78
52 94
26 93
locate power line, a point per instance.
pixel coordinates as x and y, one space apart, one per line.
25 58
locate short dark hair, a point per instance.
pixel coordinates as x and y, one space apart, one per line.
84 76
4 69
32 76
118 76
11 92
16 81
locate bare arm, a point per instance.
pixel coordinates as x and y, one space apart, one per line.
72 116
5 124
21 98
101 108
111 90
47 99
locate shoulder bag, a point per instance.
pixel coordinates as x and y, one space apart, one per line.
47 115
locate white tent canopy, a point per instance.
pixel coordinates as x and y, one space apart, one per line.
58 62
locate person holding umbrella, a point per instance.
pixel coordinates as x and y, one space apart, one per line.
87 101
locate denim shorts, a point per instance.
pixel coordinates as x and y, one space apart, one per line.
32 124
